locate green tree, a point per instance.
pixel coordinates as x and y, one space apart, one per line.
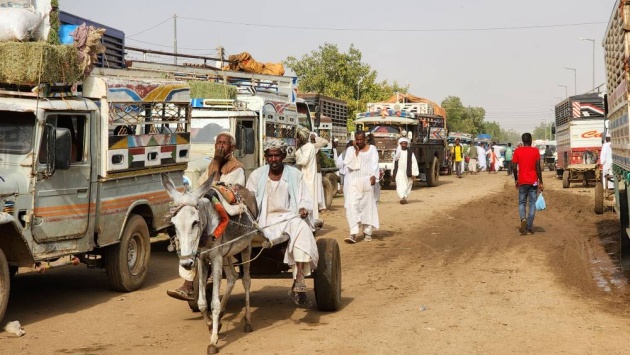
542 131
463 119
341 75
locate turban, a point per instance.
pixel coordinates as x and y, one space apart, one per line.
275 144
303 134
403 139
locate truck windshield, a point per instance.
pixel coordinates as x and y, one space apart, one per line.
16 132
393 131
304 116
205 130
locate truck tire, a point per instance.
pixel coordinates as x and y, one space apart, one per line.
624 220
5 284
328 192
599 197
334 181
328 276
433 173
126 263
565 179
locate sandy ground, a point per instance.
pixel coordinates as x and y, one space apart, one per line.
446 274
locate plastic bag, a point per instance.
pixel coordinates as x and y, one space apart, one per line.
540 202
18 24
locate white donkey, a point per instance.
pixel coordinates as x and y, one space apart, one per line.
206 238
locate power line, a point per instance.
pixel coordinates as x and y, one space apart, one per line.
165 46
150 28
394 30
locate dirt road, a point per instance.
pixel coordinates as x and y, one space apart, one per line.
446 274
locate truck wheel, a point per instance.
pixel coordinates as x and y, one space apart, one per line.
328 192
565 179
328 276
126 262
334 181
624 219
599 197
5 284
12 271
433 173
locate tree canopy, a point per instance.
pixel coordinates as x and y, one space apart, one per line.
341 75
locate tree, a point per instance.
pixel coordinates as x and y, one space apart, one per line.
341 75
463 119
542 131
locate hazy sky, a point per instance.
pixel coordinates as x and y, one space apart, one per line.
505 56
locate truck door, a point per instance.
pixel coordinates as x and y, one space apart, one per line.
247 144
62 201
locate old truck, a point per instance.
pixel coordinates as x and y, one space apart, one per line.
617 54
332 114
423 121
80 172
579 128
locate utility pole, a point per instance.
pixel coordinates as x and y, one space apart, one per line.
221 51
175 38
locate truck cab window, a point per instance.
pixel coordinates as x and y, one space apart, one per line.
76 125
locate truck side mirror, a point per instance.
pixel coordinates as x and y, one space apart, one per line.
246 140
553 128
62 149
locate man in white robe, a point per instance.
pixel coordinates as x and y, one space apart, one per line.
319 143
306 161
225 168
284 203
405 170
605 158
361 164
481 153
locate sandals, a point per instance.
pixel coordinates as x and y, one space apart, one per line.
300 299
180 294
351 239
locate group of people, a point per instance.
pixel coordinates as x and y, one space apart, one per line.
481 157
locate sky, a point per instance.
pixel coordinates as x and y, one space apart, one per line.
508 57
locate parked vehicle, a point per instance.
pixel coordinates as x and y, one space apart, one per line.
80 172
579 127
425 125
332 114
617 72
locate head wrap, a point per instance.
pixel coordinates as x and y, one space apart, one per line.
303 134
403 139
335 140
275 144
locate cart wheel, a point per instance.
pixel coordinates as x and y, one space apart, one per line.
599 197
565 179
329 192
328 276
334 180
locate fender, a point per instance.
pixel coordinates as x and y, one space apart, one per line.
13 243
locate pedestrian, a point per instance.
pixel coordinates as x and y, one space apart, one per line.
458 158
361 163
492 159
342 167
528 181
284 203
605 159
225 168
509 153
481 156
319 143
306 161
473 153
405 171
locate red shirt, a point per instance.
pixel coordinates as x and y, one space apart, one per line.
527 158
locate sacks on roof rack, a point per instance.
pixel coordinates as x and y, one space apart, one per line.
245 62
24 20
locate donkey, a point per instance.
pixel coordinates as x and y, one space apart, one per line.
207 237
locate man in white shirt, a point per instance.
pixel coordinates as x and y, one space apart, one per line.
605 158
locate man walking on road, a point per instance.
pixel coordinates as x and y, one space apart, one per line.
528 181
473 153
361 164
458 158
405 171
509 154
306 160
605 158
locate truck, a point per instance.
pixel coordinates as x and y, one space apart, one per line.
80 169
332 114
264 107
579 128
617 52
422 121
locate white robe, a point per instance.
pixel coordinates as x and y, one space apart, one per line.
605 158
291 195
305 159
360 200
404 183
481 155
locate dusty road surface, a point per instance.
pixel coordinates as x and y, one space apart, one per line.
446 274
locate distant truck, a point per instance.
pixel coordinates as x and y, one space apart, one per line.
423 121
579 128
332 114
617 52
80 172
